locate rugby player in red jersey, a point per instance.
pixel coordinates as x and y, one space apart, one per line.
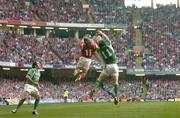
88 47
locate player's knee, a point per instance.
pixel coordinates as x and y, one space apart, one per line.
78 71
37 96
24 95
115 80
101 76
75 72
100 79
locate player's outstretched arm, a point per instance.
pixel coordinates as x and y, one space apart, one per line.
103 34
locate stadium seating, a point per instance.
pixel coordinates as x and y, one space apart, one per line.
42 10
161 39
69 11
129 90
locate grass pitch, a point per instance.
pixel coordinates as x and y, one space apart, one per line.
97 110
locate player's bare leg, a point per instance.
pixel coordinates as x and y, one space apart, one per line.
80 74
37 99
24 96
76 74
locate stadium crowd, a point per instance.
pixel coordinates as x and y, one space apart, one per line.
161 38
42 10
22 49
163 89
129 90
110 12
15 10
69 11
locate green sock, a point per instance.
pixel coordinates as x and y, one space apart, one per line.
20 103
97 84
101 85
116 89
36 103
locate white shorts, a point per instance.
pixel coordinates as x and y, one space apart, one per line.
84 63
111 69
30 89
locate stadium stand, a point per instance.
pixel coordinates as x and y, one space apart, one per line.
161 39
129 90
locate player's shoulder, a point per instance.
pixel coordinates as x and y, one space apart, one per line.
107 42
32 69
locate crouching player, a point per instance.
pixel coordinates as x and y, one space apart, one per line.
31 87
88 48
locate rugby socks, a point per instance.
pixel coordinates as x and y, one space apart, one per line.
116 89
36 104
98 84
20 103
101 85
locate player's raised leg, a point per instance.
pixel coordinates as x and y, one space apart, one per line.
24 96
100 84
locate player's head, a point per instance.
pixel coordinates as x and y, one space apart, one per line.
87 39
36 64
98 37
99 32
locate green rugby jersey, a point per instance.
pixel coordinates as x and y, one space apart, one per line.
35 76
107 52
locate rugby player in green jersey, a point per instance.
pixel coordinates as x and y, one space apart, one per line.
107 56
31 87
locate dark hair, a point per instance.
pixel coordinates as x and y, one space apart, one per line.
34 64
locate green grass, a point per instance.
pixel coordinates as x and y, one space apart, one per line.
98 110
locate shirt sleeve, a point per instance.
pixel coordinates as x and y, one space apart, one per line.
30 72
